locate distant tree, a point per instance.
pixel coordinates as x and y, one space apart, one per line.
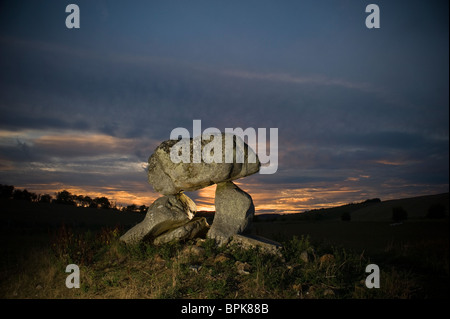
87 201
34 197
373 200
346 217
102 202
64 197
132 208
24 195
46 198
6 191
399 214
18 194
78 199
436 211
143 209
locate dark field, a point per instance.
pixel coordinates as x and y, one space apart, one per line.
416 248
372 238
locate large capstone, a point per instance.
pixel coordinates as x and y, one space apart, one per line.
192 164
165 214
234 212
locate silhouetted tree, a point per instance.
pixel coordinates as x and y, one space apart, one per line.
18 194
6 191
143 209
373 200
132 208
46 198
24 195
87 201
64 197
102 202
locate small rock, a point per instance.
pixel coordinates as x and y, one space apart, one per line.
242 268
221 258
158 260
252 241
304 256
199 242
195 268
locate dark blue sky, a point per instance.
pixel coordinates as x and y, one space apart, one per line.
361 112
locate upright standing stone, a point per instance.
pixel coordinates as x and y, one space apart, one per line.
166 213
234 212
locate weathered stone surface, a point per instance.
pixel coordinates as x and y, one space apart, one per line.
242 268
234 212
252 241
166 213
168 177
195 227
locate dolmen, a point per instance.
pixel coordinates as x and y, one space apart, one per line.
191 164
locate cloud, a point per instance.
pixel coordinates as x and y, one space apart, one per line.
86 114
78 145
311 79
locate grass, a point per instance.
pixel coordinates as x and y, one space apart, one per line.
199 269
320 259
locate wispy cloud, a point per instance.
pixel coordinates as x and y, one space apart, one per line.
311 79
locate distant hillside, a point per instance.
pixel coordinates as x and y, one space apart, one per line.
417 207
370 210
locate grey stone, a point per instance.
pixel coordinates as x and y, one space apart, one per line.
234 212
166 213
304 256
248 241
242 268
168 177
195 227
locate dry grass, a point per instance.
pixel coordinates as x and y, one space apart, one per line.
177 270
413 258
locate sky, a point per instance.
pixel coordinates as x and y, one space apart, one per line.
361 113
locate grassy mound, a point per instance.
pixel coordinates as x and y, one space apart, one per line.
199 269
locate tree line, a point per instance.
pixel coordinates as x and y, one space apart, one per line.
66 198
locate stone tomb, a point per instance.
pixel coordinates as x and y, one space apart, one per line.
172 217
